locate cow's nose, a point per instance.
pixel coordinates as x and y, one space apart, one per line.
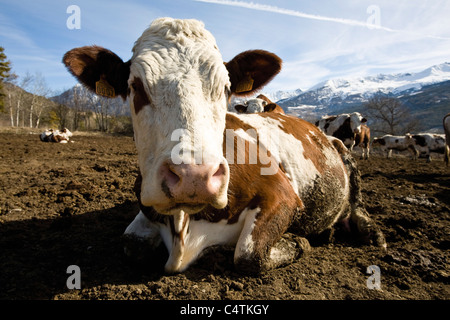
194 183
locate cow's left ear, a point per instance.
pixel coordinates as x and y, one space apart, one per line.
99 69
240 108
270 107
251 70
363 120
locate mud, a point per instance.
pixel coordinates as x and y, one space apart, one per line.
68 204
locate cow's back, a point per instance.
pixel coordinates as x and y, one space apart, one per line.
313 166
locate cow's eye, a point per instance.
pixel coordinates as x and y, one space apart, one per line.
133 85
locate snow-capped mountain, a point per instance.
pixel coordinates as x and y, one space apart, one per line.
281 95
336 92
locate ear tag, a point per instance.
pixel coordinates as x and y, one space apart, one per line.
245 84
103 88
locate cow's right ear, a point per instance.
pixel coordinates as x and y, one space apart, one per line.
91 64
251 70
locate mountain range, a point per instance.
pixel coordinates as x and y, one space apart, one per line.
426 94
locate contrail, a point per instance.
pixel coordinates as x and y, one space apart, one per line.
268 8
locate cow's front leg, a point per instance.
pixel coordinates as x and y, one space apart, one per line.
141 237
261 247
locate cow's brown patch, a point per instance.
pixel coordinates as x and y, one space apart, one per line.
141 98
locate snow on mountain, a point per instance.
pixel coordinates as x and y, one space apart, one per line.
359 89
281 95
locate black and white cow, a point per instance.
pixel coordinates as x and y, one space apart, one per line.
425 143
208 177
343 127
51 135
388 142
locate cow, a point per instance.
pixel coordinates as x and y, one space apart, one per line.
425 143
343 127
259 104
210 177
362 140
51 135
446 123
388 142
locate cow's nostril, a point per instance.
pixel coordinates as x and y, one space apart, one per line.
170 177
220 171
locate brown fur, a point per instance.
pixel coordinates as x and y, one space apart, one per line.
255 63
90 63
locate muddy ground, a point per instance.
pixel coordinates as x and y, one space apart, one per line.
63 205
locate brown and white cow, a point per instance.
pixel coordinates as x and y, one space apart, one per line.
362 140
388 142
259 104
208 177
51 135
343 127
446 123
425 143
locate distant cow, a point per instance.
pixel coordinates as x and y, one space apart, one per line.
51 135
425 143
446 122
343 127
362 140
260 104
388 142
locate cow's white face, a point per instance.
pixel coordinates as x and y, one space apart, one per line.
355 122
178 88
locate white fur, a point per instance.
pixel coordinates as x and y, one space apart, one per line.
301 171
245 244
185 78
197 235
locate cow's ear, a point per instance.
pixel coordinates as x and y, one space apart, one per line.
363 120
240 108
251 70
270 107
99 69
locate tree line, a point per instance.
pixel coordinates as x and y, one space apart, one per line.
28 101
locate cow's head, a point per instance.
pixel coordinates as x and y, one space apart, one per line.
178 88
355 122
260 104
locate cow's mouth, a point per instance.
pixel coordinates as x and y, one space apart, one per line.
186 207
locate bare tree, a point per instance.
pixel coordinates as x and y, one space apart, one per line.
102 112
389 116
40 90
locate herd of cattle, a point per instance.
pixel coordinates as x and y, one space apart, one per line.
192 195
353 131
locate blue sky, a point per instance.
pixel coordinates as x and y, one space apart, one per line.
317 40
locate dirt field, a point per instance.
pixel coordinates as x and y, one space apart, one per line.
63 205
